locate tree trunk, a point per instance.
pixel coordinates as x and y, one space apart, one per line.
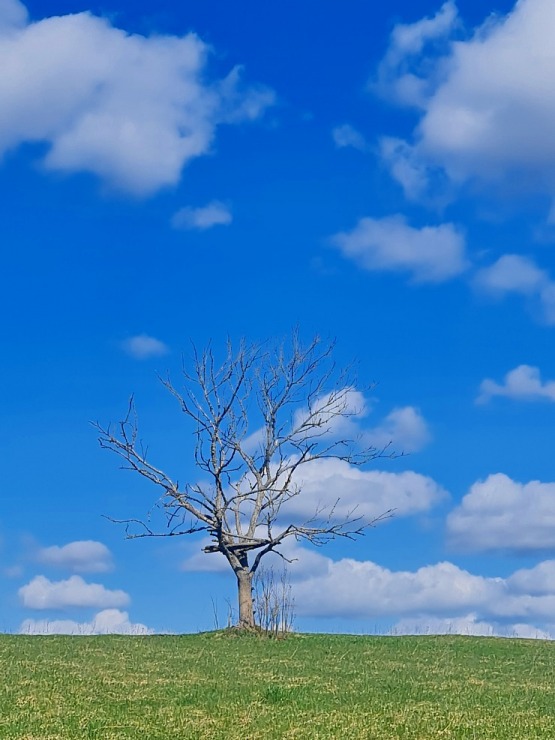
246 608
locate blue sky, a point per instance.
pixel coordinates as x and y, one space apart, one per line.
381 175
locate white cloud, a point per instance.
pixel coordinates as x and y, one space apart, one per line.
406 168
369 492
538 581
328 484
524 383
468 625
13 16
197 561
504 515
339 415
142 347
252 442
431 254
85 556
131 110
363 589
521 276
303 561
528 632
429 625
511 273
395 78
108 621
213 214
494 127
405 428
441 598
347 136
41 593
411 38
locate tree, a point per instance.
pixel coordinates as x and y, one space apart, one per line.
259 417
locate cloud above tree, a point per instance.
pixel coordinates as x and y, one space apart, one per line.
487 128
130 109
430 254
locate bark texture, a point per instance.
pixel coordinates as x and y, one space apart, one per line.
245 600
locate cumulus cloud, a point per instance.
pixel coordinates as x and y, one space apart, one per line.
468 625
338 414
13 16
143 347
398 74
511 273
41 593
343 416
440 598
132 110
528 632
499 514
364 588
524 383
108 621
347 136
85 556
519 275
405 428
198 561
442 591
341 491
431 254
494 127
326 483
412 37
405 167
327 487
213 214
303 562
539 580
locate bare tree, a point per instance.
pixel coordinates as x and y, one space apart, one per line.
259 417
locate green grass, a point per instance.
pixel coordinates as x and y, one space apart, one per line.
308 686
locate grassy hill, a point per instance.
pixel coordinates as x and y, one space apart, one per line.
308 686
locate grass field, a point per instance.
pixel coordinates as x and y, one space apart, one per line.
308 686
